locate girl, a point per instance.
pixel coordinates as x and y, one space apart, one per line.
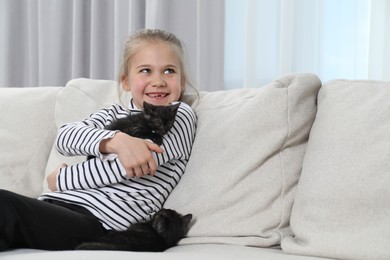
129 179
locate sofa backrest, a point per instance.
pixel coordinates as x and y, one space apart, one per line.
245 163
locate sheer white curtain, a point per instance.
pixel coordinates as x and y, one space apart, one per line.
332 38
229 43
48 42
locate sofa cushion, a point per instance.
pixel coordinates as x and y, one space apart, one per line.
342 205
187 252
246 160
26 134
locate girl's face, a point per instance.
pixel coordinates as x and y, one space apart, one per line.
154 75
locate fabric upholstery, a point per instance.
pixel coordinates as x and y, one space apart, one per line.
342 205
246 160
27 131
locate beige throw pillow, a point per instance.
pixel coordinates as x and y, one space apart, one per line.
342 205
246 160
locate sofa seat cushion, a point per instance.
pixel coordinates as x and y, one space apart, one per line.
187 252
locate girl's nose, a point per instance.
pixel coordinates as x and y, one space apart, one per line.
157 81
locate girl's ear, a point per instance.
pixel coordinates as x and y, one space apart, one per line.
125 84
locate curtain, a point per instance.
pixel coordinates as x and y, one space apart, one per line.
379 50
230 43
49 42
335 39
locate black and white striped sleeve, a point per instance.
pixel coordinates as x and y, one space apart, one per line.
84 137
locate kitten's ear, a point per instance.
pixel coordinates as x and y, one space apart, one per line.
186 219
175 107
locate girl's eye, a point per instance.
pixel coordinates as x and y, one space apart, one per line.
169 71
145 71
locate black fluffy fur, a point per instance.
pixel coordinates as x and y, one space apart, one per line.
163 231
152 123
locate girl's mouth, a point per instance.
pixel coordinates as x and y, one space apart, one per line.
157 95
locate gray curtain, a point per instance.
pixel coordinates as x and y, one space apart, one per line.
48 42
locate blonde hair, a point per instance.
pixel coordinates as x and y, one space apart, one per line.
139 39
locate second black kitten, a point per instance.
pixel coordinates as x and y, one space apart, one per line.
163 231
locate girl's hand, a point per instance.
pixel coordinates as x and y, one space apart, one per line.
135 154
52 177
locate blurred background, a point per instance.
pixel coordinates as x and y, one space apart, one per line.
229 43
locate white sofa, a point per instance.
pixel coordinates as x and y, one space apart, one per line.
292 170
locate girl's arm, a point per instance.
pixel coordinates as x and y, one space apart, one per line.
131 162
84 137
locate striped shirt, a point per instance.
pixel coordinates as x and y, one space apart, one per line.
100 184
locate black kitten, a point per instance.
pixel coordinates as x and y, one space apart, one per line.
163 231
152 123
